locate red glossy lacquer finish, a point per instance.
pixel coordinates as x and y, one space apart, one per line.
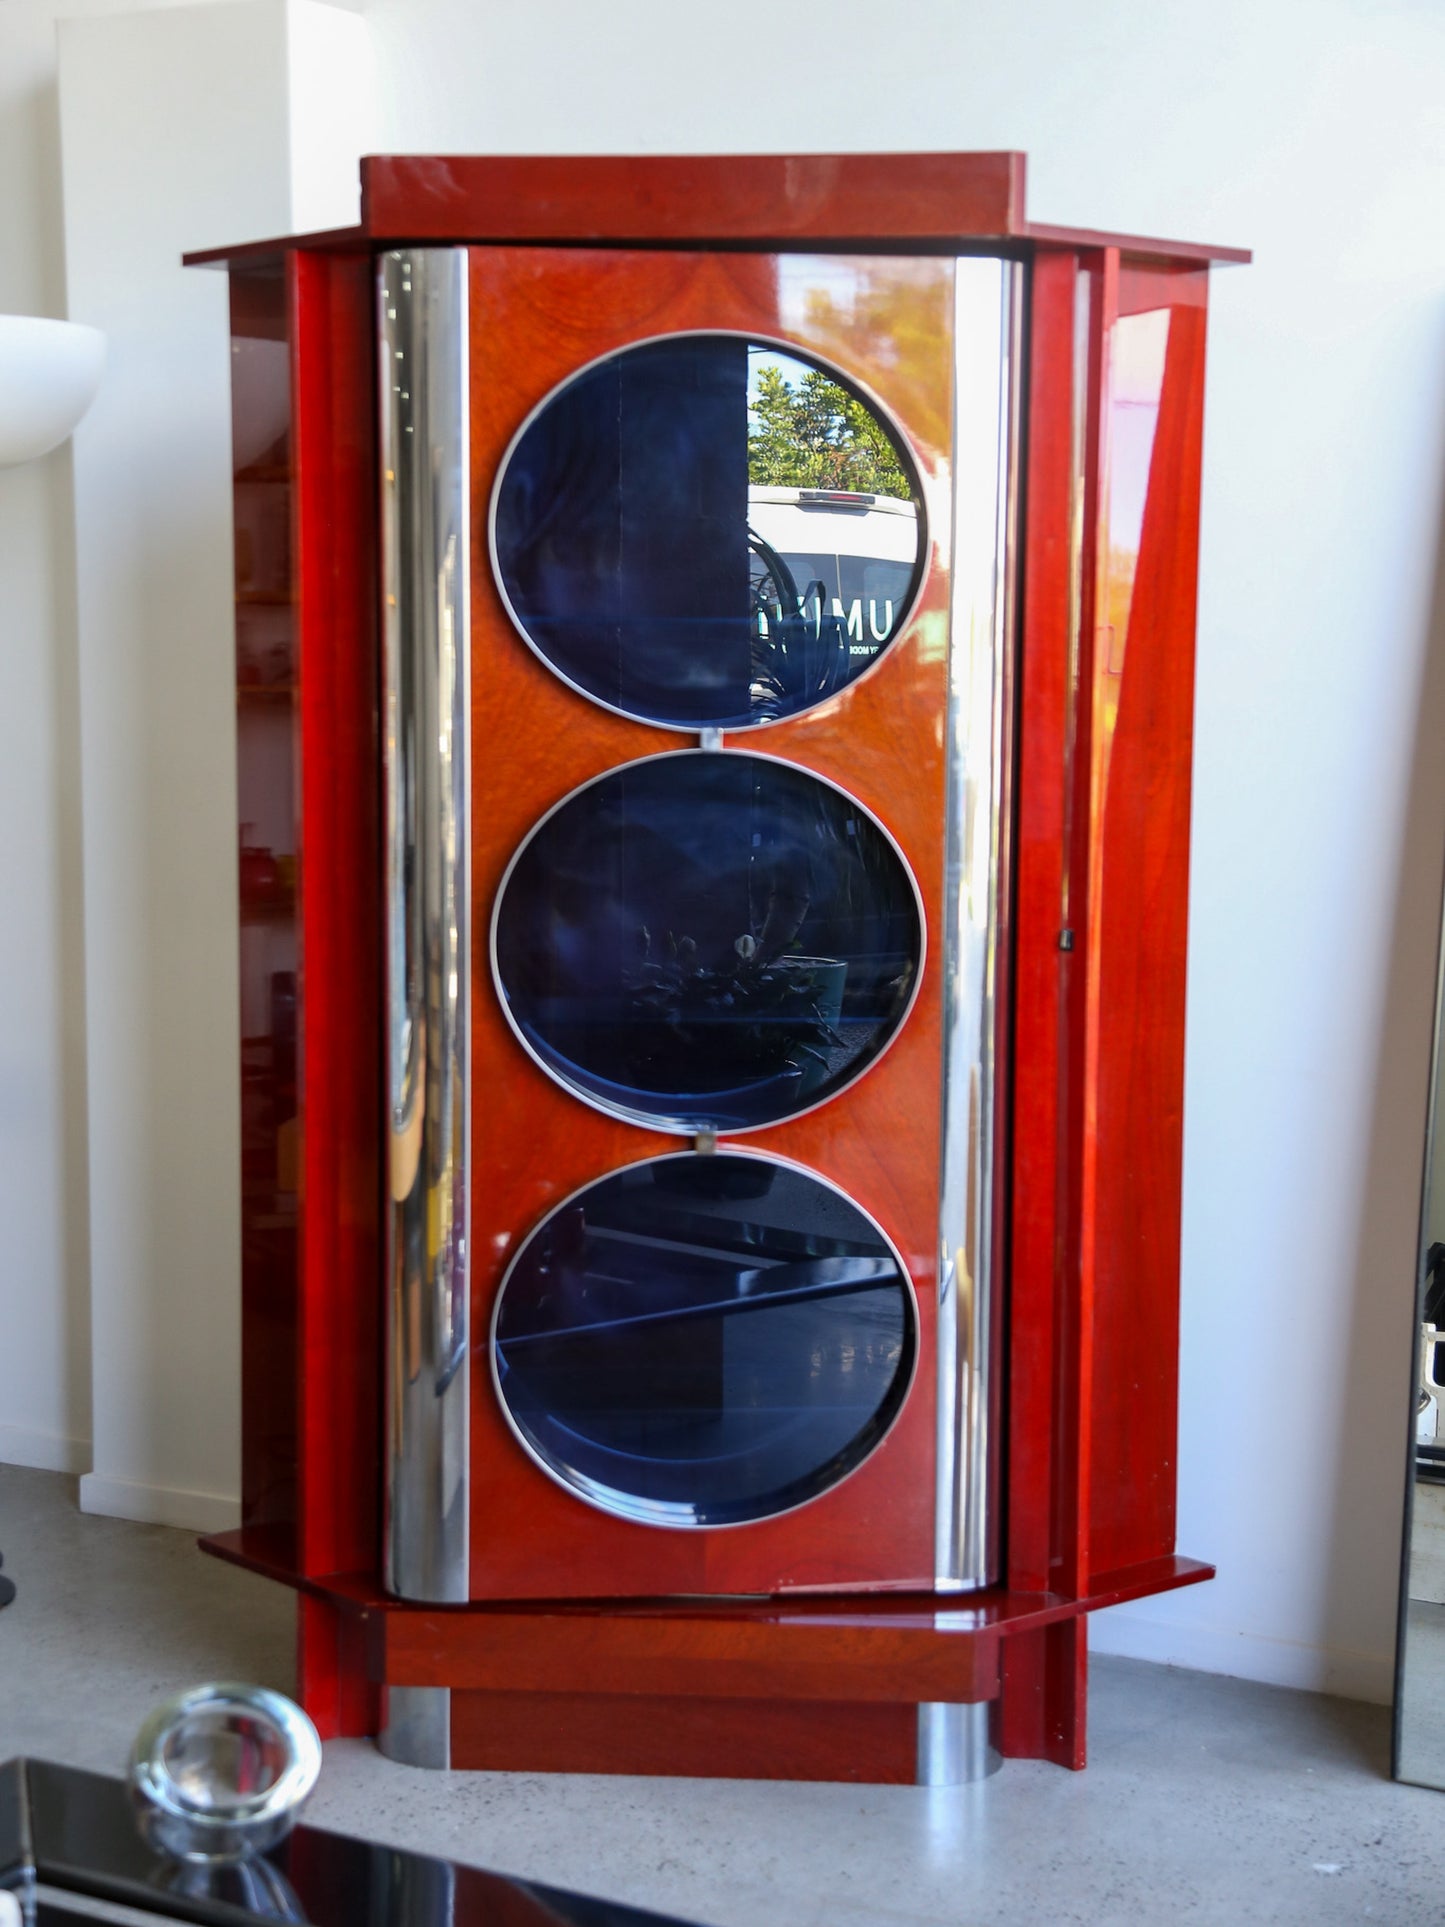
629 1676
267 727
1108 649
1142 694
733 1739
692 198
308 774
340 876
536 317
338 1307
1046 1382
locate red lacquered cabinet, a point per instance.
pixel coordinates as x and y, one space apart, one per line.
714 693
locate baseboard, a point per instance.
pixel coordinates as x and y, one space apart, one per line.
159 1505
43 1451
1131 1634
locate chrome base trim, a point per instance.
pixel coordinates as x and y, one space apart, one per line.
418 1726
955 1743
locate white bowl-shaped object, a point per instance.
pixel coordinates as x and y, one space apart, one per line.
49 372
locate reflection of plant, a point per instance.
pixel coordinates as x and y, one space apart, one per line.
817 435
751 1016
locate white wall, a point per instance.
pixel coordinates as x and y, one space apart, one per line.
1316 137
1320 805
310 67
44 1316
45 1362
176 133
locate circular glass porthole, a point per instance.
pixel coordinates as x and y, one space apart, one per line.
704 1340
705 531
707 941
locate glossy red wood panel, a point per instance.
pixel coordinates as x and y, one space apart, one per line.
267 726
1108 651
536 316
1096 306
724 1655
1142 697
709 1739
1044 1694
339 878
334 1681
308 772
1043 1698
691 198
1037 1317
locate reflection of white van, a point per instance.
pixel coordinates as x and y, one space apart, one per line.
833 557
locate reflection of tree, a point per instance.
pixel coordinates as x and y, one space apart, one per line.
892 322
816 435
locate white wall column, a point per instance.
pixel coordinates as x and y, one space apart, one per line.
177 132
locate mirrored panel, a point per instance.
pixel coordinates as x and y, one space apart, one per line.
704 1340
707 941
1420 1657
708 532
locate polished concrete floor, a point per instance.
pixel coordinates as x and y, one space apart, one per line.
1206 1800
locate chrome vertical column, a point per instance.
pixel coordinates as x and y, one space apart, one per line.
422 295
987 317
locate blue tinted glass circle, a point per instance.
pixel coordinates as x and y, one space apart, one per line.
708 532
704 1340
707 941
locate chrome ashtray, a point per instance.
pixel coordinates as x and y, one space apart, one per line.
221 1772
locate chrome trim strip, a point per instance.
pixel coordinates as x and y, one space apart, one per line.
426 656
417 1727
603 1498
645 1120
955 1743
987 314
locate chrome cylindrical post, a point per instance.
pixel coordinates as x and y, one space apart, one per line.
987 315
422 294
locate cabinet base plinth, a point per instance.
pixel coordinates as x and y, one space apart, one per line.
729 1739
886 1687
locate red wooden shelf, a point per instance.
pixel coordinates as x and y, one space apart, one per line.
803 1651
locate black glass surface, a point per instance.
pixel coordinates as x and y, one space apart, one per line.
709 532
75 1832
704 1339
707 940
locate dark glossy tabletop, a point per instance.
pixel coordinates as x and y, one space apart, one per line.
72 1836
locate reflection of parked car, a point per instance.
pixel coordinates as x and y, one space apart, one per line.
830 576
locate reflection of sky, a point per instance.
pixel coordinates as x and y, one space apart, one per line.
1137 377
788 366
803 277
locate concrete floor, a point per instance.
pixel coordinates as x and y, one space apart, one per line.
1206 1800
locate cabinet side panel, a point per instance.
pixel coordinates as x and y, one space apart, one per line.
1036 1361
267 748
1142 718
339 882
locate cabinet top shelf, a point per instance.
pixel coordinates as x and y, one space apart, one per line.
770 201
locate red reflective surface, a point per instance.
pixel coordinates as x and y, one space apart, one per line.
1103 864
537 316
308 773
266 770
1142 696
1094 1071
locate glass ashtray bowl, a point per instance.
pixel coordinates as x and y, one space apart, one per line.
221 1772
